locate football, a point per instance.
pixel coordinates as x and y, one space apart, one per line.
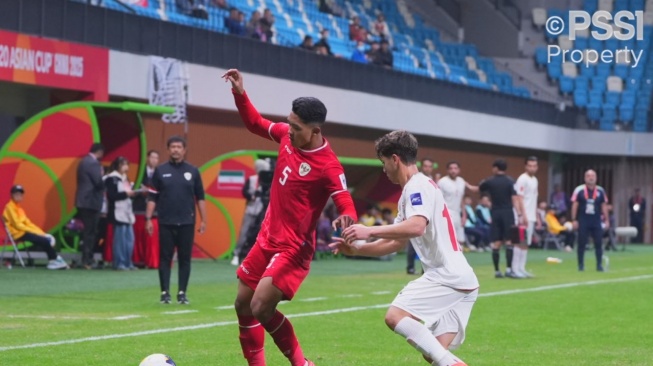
157 359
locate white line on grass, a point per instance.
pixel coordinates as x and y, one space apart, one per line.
179 312
226 307
67 317
313 299
300 315
381 293
350 295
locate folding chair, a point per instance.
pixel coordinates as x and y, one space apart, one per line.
10 239
550 238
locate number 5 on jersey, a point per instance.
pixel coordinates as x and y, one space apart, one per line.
285 173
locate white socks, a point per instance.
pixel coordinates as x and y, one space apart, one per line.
519 260
419 336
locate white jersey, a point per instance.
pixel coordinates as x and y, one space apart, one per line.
453 192
527 187
442 258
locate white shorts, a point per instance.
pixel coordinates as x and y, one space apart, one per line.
442 309
458 226
530 229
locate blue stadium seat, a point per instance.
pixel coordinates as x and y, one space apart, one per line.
612 98
596 97
582 82
593 112
566 84
555 71
580 97
626 113
621 70
606 124
598 83
541 56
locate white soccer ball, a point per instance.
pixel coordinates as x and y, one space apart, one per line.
569 226
157 359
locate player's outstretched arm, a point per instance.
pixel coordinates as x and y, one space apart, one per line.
252 119
411 228
377 248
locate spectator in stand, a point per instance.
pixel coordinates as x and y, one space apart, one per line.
321 50
267 22
254 29
356 31
381 29
324 41
220 4
193 8
359 53
307 44
22 229
373 53
234 23
387 216
384 56
331 7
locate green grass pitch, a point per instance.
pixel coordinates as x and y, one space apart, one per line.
561 317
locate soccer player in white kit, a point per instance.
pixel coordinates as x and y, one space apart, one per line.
431 312
527 190
453 189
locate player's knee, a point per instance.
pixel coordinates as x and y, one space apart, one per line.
391 320
242 307
262 309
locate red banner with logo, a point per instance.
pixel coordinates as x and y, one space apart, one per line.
46 62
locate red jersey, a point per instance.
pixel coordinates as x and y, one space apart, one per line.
303 182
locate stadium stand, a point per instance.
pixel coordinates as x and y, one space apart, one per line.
614 95
417 48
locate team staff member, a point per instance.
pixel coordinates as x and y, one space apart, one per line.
589 201
177 185
88 200
501 189
146 246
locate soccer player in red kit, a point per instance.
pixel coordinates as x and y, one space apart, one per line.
306 175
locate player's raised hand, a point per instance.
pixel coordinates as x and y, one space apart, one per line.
356 232
236 78
341 246
342 222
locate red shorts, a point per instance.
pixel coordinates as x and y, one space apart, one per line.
288 267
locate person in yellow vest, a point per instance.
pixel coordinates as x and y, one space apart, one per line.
22 229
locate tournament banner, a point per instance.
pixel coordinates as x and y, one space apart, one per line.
51 63
168 86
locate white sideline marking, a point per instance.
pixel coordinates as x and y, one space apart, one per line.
313 299
66 317
564 285
226 307
179 312
381 293
301 315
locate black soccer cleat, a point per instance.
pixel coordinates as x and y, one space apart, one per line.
182 299
165 297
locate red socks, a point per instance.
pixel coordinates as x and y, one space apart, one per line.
284 336
252 338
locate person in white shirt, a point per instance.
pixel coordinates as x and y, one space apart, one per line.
527 190
453 189
431 312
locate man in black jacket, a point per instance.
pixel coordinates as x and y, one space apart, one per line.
88 199
177 185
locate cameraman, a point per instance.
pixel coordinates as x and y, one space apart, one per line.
252 193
